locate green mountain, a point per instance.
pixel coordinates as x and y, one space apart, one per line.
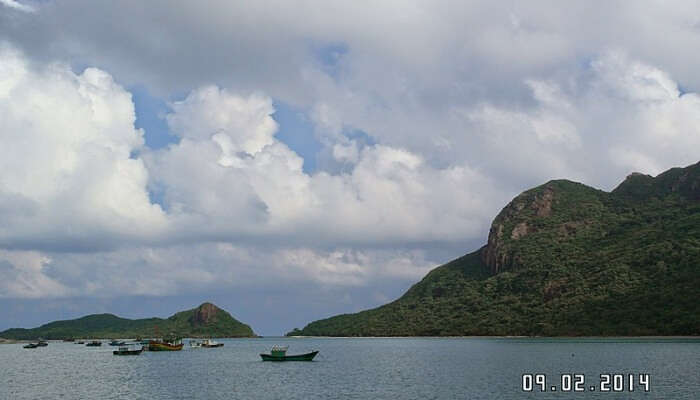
207 320
562 259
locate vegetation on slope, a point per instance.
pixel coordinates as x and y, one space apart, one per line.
207 320
563 259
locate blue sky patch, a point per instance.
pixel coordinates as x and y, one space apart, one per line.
329 57
297 132
150 116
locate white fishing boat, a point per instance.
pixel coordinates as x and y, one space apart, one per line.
211 343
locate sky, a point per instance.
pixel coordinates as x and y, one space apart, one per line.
290 161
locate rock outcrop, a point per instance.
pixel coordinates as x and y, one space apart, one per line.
515 220
205 314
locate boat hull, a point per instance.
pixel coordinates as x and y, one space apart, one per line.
127 352
296 357
211 346
155 346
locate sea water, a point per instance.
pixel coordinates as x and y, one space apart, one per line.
362 368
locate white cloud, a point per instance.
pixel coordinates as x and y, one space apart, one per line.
215 186
621 116
182 269
72 174
17 5
24 276
633 80
238 205
209 111
66 167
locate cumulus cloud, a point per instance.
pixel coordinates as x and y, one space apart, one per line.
622 115
229 176
411 58
399 77
66 169
241 124
77 179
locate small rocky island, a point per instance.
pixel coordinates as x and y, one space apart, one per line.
207 320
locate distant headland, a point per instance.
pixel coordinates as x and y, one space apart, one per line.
207 320
562 259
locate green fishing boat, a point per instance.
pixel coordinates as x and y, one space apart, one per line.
279 353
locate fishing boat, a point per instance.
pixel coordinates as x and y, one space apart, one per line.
80 342
126 351
165 345
31 346
211 343
94 343
116 343
279 353
42 343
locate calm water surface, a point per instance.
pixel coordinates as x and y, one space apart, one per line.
371 368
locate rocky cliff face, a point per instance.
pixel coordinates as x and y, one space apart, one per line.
561 211
205 314
515 222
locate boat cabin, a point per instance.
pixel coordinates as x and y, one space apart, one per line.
279 351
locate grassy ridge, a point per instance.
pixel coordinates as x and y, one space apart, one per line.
563 259
206 320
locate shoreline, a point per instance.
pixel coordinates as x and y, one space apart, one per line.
571 338
682 337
